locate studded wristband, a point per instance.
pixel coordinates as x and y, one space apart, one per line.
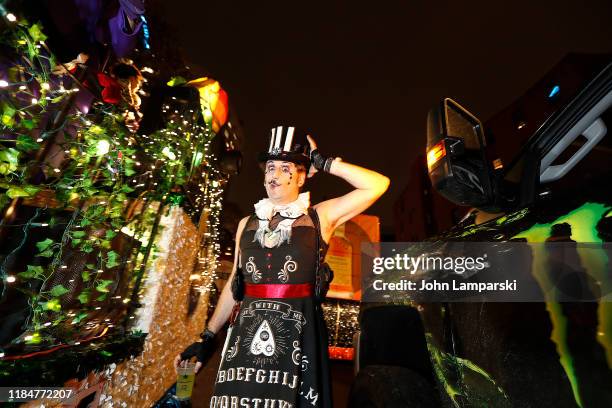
328 163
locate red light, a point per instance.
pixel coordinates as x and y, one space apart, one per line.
341 353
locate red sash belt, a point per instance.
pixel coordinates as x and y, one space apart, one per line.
281 290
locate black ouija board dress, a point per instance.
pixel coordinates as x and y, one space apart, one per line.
275 354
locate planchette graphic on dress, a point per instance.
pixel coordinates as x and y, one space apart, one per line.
263 340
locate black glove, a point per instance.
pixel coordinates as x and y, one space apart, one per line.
201 350
319 161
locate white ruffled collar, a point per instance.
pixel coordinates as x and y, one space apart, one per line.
265 210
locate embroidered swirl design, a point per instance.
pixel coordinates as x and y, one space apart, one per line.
232 351
305 363
289 266
296 354
250 267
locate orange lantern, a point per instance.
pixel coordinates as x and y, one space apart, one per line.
213 100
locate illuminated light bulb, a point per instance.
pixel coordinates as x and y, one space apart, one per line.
169 153
57 170
102 147
3 83
11 17
45 86
34 101
11 279
22 88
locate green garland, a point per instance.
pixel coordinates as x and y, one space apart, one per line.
104 168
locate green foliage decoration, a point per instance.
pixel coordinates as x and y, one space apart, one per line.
105 167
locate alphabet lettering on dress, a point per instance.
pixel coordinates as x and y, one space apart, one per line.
233 401
249 373
311 396
221 401
261 376
273 377
286 378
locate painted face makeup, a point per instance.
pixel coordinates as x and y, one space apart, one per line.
279 179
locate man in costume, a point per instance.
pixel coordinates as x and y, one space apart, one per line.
275 352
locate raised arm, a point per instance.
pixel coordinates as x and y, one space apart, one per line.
369 186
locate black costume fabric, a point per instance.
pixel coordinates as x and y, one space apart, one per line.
275 354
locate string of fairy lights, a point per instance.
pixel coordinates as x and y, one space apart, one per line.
98 170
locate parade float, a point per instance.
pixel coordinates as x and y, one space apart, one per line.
112 173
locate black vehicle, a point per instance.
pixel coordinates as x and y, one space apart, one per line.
546 354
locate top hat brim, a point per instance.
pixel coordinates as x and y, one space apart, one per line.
293 157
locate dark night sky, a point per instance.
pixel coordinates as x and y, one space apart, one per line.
361 76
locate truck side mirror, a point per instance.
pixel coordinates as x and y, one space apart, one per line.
456 159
